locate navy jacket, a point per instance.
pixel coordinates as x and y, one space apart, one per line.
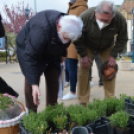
38 45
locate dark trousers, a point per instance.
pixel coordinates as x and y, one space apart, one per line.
52 86
71 72
5 88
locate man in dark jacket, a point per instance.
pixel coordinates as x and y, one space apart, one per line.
41 45
101 23
4 87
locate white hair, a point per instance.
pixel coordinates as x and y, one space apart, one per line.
111 6
72 26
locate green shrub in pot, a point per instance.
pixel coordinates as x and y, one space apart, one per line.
119 120
61 122
99 106
34 123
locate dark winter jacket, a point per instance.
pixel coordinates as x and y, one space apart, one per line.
2 31
38 45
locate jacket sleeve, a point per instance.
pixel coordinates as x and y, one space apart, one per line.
80 43
33 51
2 31
121 39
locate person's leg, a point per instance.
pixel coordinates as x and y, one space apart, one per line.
83 81
90 71
90 74
29 98
5 88
66 70
52 84
98 61
109 85
72 63
73 74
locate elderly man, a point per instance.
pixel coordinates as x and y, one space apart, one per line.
101 23
41 46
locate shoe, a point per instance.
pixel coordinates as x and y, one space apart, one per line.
100 83
69 96
91 84
66 84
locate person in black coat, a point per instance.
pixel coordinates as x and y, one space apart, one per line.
41 47
4 87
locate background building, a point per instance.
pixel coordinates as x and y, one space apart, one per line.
126 10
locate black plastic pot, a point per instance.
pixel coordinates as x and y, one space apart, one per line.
131 127
99 126
23 130
110 129
129 106
82 130
122 131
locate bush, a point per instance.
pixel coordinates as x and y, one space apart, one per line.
34 123
119 119
3 54
98 106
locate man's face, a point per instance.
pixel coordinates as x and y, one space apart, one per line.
105 18
63 35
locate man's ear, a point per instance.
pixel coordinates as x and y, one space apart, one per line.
58 27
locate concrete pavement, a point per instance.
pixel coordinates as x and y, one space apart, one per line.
11 73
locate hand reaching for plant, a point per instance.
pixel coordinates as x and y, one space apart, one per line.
35 94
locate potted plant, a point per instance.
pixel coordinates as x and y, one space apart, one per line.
99 106
121 105
52 112
119 121
112 103
11 112
33 124
61 123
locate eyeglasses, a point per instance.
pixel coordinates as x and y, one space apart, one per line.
105 20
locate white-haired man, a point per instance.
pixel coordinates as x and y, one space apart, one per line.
41 46
101 23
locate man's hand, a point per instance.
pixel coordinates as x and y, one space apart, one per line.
86 61
112 62
36 93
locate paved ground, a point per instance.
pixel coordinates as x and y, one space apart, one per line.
13 76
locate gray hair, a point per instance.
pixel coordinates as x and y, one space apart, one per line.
72 26
111 6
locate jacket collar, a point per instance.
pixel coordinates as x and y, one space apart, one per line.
78 3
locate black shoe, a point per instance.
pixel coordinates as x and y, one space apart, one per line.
100 83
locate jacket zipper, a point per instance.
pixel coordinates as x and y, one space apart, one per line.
100 41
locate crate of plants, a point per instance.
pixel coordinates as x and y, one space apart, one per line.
60 119
49 121
11 112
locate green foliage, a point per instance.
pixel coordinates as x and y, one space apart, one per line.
34 123
121 105
98 106
5 102
112 103
2 54
61 122
82 115
92 116
74 109
119 119
52 112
